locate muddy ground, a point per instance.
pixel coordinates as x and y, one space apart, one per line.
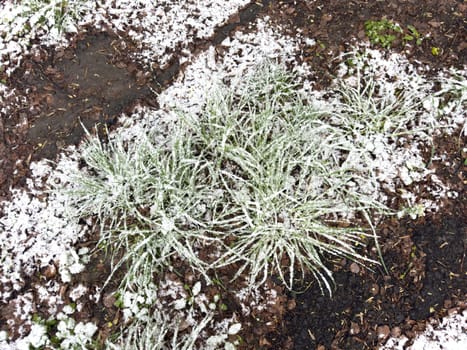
96 80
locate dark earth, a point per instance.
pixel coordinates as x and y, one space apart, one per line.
95 79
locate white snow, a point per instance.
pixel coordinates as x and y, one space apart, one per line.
34 229
36 338
159 27
235 328
163 26
78 292
243 51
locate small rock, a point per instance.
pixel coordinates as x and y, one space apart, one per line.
190 278
36 57
59 53
383 332
183 325
374 289
435 24
49 99
109 300
50 271
361 35
354 328
354 268
326 18
410 334
291 304
235 18
60 144
396 332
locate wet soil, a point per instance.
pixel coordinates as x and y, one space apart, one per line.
60 93
338 25
427 274
80 91
95 79
63 92
427 279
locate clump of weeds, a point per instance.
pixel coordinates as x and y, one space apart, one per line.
385 33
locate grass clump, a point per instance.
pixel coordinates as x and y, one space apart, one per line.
279 161
146 197
158 332
260 172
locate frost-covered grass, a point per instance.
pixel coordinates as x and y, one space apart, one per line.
263 165
147 198
278 160
278 170
159 332
23 21
259 166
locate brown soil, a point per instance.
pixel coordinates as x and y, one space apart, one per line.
94 80
427 274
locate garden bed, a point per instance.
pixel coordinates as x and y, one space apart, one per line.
165 84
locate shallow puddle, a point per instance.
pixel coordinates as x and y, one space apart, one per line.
86 89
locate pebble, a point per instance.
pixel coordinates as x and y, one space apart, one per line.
383 332
354 328
109 300
50 271
291 304
396 332
374 289
354 268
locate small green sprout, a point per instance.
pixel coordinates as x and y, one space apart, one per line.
385 32
51 322
435 51
413 34
382 32
118 301
37 319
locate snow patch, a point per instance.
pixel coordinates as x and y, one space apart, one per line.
450 334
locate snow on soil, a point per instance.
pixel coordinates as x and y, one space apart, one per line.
35 234
158 27
449 334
